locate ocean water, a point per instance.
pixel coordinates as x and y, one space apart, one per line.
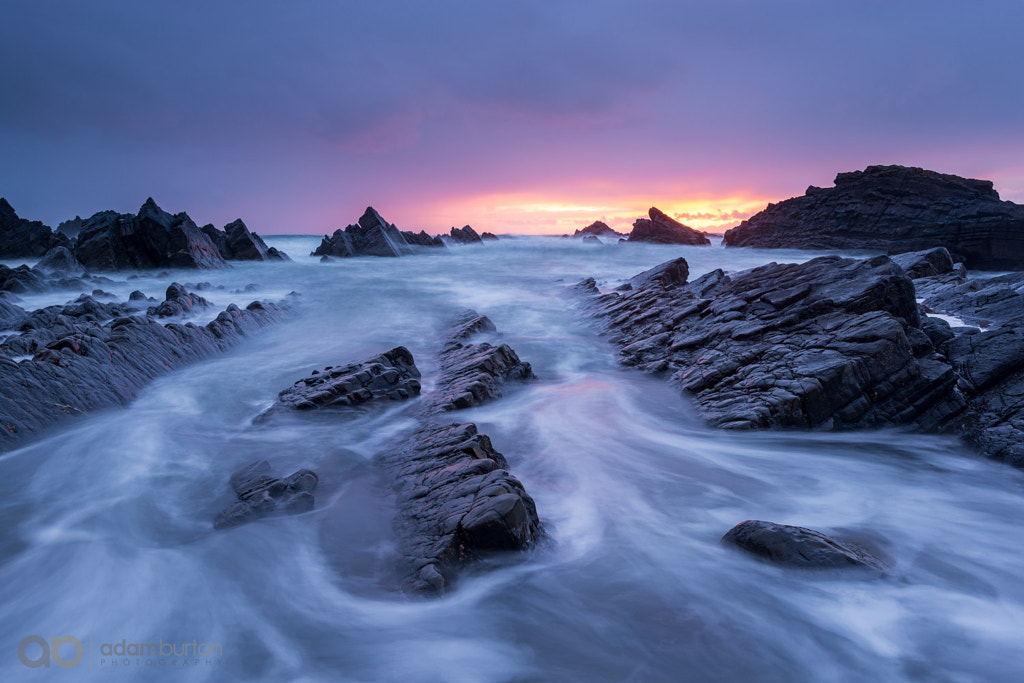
106 523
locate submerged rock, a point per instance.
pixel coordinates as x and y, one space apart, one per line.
488 237
660 229
178 301
598 229
262 495
795 546
895 209
20 238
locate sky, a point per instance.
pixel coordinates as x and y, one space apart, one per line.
513 117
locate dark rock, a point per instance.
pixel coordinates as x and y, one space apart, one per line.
465 235
151 239
830 343
488 236
178 301
660 229
895 209
473 374
422 239
598 229
392 375
590 239
457 502
976 301
90 361
262 495
22 280
71 228
20 238
795 546
60 261
371 236
237 243
928 263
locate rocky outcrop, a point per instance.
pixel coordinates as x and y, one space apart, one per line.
457 502
236 243
488 237
895 209
474 373
22 280
178 301
373 236
600 229
391 375
84 360
151 239
60 261
259 494
830 343
660 229
465 235
20 238
795 546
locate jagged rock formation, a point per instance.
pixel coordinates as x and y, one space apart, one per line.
795 546
373 236
60 261
84 360
151 239
20 238
598 229
895 209
660 229
457 501
391 375
178 301
465 235
236 243
473 374
262 495
831 343
488 237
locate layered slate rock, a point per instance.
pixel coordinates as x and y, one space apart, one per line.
598 229
474 373
391 375
464 235
151 239
373 236
830 343
236 243
457 502
795 546
83 360
20 238
178 301
661 229
260 494
895 209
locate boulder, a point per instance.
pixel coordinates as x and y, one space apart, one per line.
178 301
260 494
151 239
20 238
370 236
465 235
22 280
598 229
237 243
795 546
927 263
488 237
60 261
660 229
895 209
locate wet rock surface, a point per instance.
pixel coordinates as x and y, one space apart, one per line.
795 546
260 494
473 373
178 301
373 236
895 209
457 502
236 243
60 261
21 238
660 229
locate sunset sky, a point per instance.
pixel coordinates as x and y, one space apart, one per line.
510 116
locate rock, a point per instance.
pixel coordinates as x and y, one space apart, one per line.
977 301
392 375
927 263
372 236
84 360
895 209
60 261
590 239
488 236
262 495
831 343
151 239
795 546
660 229
465 235
20 238
178 301
71 228
457 502
22 280
473 374
236 243
598 229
